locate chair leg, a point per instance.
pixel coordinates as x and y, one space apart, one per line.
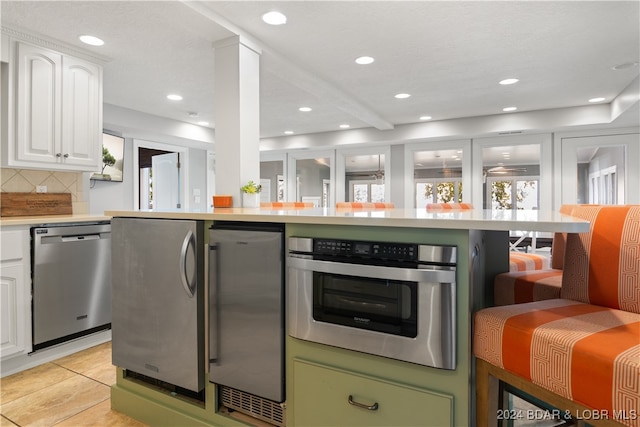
487 396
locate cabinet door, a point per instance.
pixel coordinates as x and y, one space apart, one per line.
15 292
12 325
81 112
38 132
322 397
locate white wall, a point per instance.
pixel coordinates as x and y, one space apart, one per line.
103 195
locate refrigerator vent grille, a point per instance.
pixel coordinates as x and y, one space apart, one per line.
252 405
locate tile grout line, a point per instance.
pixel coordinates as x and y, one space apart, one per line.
82 375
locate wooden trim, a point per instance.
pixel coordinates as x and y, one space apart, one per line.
488 377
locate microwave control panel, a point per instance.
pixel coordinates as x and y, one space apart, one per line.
380 250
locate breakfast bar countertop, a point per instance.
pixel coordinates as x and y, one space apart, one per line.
501 220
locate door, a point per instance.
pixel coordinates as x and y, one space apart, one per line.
158 311
246 311
166 175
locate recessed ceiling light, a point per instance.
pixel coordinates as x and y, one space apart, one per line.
425 117
91 40
402 95
203 123
304 109
600 99
274 18
507 109
174 97
625 66
364 60
345 126
288 132
509 81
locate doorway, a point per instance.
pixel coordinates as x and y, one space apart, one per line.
160 179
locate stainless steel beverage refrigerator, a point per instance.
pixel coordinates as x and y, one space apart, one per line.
246 308
158 300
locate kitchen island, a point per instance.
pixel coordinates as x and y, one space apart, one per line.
320 378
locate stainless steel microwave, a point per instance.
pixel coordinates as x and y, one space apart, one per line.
395 300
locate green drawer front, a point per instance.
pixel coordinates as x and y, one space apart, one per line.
321 399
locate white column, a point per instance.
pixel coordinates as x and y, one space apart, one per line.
237 113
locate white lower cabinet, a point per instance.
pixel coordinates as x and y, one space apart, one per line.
15 293
329 396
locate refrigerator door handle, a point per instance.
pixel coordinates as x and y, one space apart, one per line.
213 303
190 288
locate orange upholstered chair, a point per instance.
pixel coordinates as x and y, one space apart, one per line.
533 284
363 205
449 206
285 205
579 352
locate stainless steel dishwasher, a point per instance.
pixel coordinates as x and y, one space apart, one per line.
71 279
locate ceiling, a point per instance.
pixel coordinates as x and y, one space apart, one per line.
449 55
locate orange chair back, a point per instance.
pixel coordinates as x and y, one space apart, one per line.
449 206
602 267
286 205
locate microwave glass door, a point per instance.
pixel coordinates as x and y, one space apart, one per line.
367 303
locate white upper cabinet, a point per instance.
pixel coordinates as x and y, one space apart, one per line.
81 113
57 120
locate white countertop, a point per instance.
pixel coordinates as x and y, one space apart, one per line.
50 219
529 220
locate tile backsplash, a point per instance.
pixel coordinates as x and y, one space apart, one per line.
26 181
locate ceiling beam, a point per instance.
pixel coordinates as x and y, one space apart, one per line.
296 75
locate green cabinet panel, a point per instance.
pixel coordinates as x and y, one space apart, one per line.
321 395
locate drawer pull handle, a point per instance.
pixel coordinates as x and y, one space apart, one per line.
373 407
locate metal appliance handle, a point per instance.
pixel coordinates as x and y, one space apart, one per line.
213 302
373 407
189 286
361 304
81 238
428 274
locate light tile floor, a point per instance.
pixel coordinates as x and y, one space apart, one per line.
73 391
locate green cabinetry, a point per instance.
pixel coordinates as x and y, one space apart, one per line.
322 395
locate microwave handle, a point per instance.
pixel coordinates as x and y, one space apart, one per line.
420 275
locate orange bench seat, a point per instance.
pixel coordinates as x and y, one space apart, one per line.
521 261
584 347
584 352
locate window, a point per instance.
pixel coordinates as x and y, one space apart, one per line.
437 176
438 191
513 193
309 177
603 186
515 171
598 168
366 191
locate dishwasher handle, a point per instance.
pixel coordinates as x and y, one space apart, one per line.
81 238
